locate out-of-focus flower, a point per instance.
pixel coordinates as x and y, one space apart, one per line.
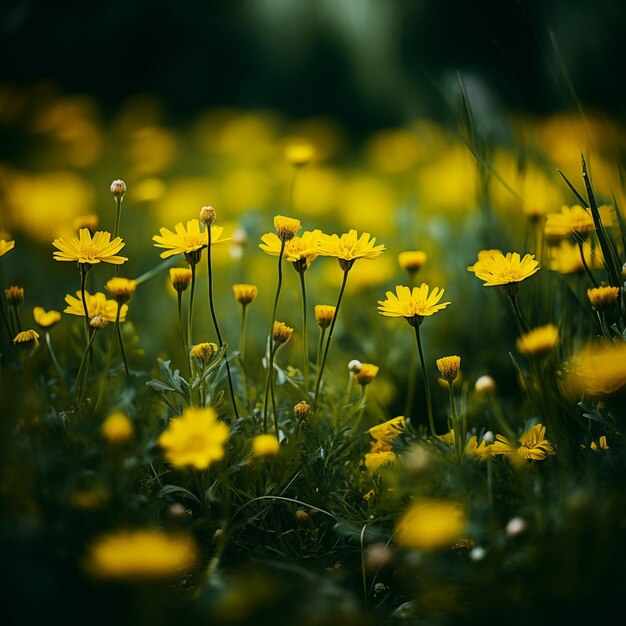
389 430
324 314
394 151
566 259
599 369
117 428
413 304
46 319
27 339
6 246
88 250
366 374
97 306
603 297
244 293
533 446
601 445
380 455
430 525
485 384
570 221
89 221
265 446
140 555
152 150
412 260
196 439
14 295
480 450
300 152
538 341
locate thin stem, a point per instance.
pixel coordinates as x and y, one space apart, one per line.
107 363
116 230
320 347
429 404
242 334
305 342
594 282
82 371
6 321
410 394
83 277
55 361
118 330
215 324
320 373
181 331
517 314
458 442
273 396
190 313
270 350
18 321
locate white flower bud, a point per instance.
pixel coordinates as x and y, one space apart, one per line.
118 188
485 384
355 366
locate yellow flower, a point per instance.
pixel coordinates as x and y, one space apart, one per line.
196 438
301 410
379 456
121 288
430 525
181 278
389 430
6 246
265 445
366 374
603 297
286 227
413 304
187 239
349 247
570 221
97 306
565 258
117 428
447 438
533 446
601 445
324 314
302 250
140 555
448 367
85 249
412 260
538 341
244 293
46 319
599 369
491 253
26 339
14 294
480 450
504 270
281 333
300 153
204 352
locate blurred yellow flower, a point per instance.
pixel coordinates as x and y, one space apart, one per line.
187 239
380 455
27 339
196 439
367 203
480 450
533 446
140 555
599 369
603 297
601 445
413 304
504 270
97 306
566 259
299 152
85 249
180 278
324 314
265 445
6 246
46 319
412 260
389 430
366 374
430 525
14 294
152 150
148 190
244 293
89 221
394 151
117 428
570 221
538 341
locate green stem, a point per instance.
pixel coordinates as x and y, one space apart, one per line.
410 393
458 442
273 396
118 330
116 230
107 363
156 270
215 324
83 278
305 343
429 404
242 347
190 314
6 322
82 371
517 314
594 282
18 321
55 361
320 373
270 375
320 347
181 331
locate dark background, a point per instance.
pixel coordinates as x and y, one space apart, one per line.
369 63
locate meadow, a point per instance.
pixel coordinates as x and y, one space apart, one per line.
253 370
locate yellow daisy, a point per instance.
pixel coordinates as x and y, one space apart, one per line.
413 304
301 250
504 270
570 221
6 246
349 247
97 306
87 250
533 446
46 319
187 239
26 339
538 341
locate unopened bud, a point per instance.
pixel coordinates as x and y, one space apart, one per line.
485 384
516 526
208 215
301 409
98 322
355 366
118 188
